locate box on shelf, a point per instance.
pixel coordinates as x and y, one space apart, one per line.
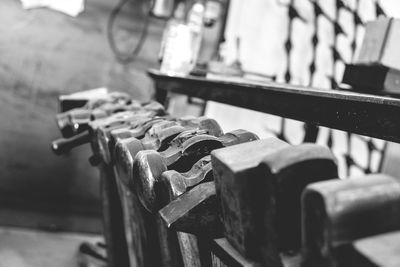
372 78
381 44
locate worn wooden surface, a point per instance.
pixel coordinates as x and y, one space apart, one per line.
113 220
130 231
140 230
44 54
147 239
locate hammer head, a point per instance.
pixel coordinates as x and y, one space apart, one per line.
105 122
112 97
173 183
238 137
160 134
64 124
116 136
103 132
231 171
81 99
103 136
154 106
203 123
286 173
148 166
337 212
117 118
195 212
192 126
130 131
125 153
125 150
260 193
73 122
184 151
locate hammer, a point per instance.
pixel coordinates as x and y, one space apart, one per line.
77 120
338 212
184 151
66 119
63 145
260 194
143 222
158 139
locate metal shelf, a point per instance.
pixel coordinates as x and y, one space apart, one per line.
370 115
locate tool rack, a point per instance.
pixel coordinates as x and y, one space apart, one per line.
364 114
141 229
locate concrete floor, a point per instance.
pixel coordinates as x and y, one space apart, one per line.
32 248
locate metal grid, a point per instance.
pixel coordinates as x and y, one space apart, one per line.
378 147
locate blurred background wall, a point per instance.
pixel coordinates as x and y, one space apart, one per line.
43 54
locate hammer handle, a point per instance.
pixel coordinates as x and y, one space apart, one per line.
63 145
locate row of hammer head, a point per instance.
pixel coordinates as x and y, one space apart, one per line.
273 202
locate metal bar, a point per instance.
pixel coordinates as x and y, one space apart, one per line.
375 116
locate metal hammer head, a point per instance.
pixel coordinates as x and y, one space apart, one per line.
125 153
174 184
195 212
260 193
185 150
148 166
337 212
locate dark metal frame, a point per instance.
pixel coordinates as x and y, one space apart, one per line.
370 115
